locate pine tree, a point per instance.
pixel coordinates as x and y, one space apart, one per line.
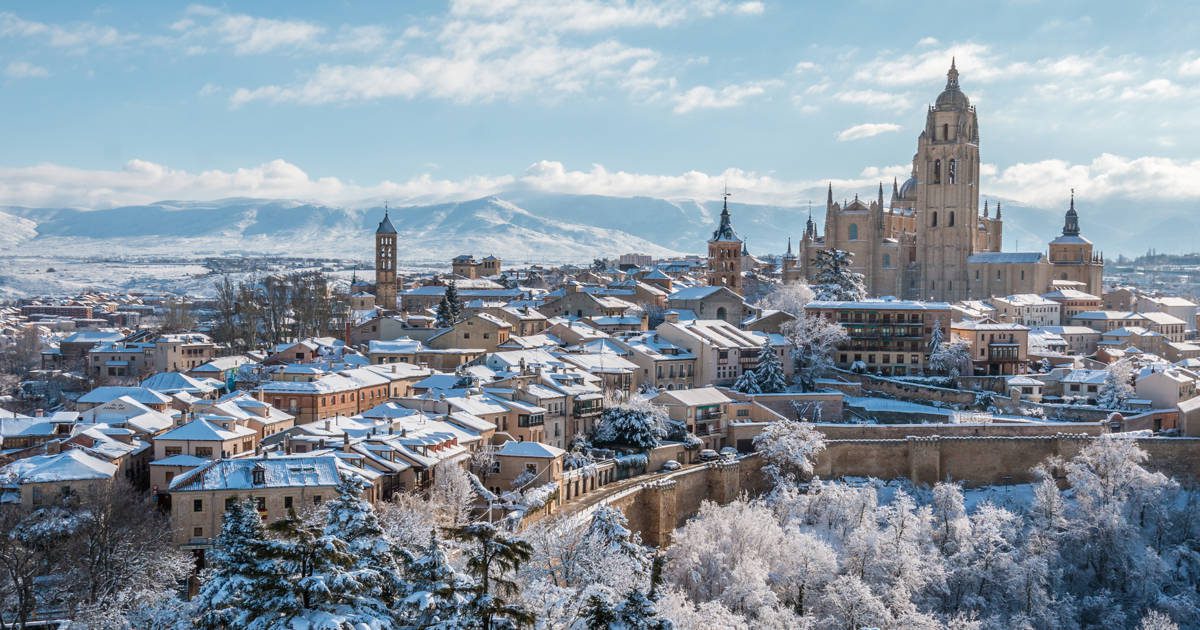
352 519
936 337
492 558
747 383
240 568
598 612
769 372
611 554
638 612
835 280
454 301
439 594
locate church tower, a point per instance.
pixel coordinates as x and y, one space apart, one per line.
947 170
385 264
1072 257
725 254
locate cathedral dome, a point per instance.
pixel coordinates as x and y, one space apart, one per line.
908 190
952 97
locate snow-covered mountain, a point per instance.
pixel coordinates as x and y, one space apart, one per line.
518 226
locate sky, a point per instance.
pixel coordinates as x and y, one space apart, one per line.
352 102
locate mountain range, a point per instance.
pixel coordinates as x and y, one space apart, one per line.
517 226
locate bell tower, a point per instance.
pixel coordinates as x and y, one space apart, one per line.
725 254
947 170
385 264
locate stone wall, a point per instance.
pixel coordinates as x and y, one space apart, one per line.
834 431
829 403
985 460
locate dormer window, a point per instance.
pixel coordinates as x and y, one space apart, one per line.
259 475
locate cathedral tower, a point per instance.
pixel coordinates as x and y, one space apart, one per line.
725 254
385 264
947 170
1072 256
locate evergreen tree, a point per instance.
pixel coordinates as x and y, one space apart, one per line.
937 336
492 558
638 612
769 373
449 309
239 569
747 383
834 278
611 554
598 612
438 594
353 520
1117 387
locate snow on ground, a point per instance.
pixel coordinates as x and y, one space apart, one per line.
870 403
1015 497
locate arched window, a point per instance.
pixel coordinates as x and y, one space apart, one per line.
945 131
721 313
934 224
937 171
951 170
853 231
951 223
887 260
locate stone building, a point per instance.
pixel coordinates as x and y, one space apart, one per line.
385 264
725 254
467 267
929 240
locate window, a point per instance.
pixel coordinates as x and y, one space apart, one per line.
173 450
287 503
934 224
952 171
937 171
531 468
197 505
316 499
229 501
259 475
945 131
951 223
260 503
197 532
887 260
853 232
204 451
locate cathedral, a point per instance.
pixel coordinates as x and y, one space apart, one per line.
929 240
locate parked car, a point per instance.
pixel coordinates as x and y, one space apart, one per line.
729 452
709 455
670 465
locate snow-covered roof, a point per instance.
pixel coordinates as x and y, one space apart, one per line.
888 305
70 465
277 472
1005 258
172 382
105 393
180 460
696 396
529 449
693 293
202 430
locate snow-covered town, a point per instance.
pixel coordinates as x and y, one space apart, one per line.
251 399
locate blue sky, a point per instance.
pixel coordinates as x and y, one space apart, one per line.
351 101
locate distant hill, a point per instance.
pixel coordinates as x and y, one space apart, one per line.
518 226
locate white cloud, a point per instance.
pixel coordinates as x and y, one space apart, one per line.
245 34
928 41
1190 68
874 98
749 8
25 70
734 95
866 130
77 36
805 66
1152 89
1048 182
490 50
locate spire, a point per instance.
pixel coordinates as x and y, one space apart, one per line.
997 210
789 251
724 231
829 202
895 188
985 208
952 76
745 249
1071 225
880 194
385 226
810 228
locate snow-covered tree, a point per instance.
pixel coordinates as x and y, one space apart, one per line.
492 558
834 279
1117 387
789 298
769 372
634 422
937 336
452 495
813 340
747 383
438 594
375 570
449 308
849 603
790 449
951 358
239 568
611 554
